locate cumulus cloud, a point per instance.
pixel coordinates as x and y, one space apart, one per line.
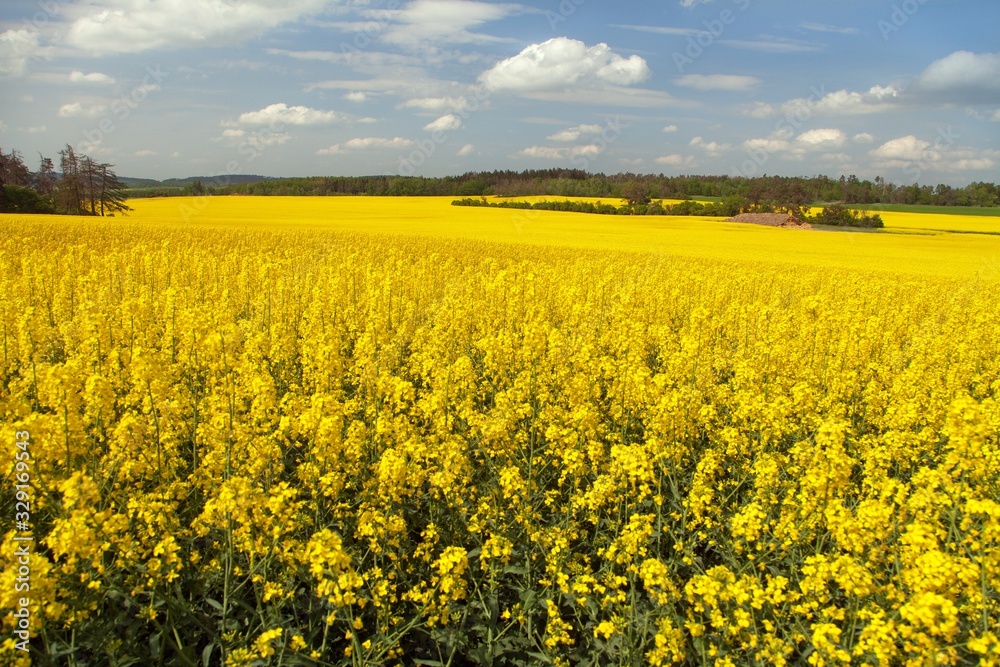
996 116
282 114
785 142
366 144
847 103
670 128
16 46
357 96
78 110
130 26
562 63
467 149
822 140
93 77
574 133
436 104
674 160
962 76
758 110
444 124
942 155
908 149
863 138
732 82
712 147
258 139
562 152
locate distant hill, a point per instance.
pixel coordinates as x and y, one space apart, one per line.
214 181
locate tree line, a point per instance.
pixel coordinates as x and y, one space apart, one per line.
578 183
636 204
83 186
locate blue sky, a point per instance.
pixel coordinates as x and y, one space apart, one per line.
904 89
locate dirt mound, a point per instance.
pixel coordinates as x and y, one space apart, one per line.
771 220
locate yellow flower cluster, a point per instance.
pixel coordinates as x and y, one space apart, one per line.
309 446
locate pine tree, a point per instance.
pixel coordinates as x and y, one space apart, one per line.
111 191
69 197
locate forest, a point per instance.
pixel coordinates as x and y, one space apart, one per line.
577 183
82 186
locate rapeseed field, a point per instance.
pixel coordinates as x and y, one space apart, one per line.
363 431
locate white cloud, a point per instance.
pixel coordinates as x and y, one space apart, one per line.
93 77
906 149
131 26
258 139
966 164
465 150
776 142
145 153
692 3
785 143
712 148
732 82
436 104
574 133
78 110
36 129
562 152
444 124
942 156
445 21
847 103
822 139
758 110
996 116
562 63
822 27
674 160
366 144
659 30
670 128
770 44
3 126
282 114
863 138
970 77
357 96
16 46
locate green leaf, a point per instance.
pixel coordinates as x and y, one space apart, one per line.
206 654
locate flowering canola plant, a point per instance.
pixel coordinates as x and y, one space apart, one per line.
308 443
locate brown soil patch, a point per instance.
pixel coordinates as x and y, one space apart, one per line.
771 220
